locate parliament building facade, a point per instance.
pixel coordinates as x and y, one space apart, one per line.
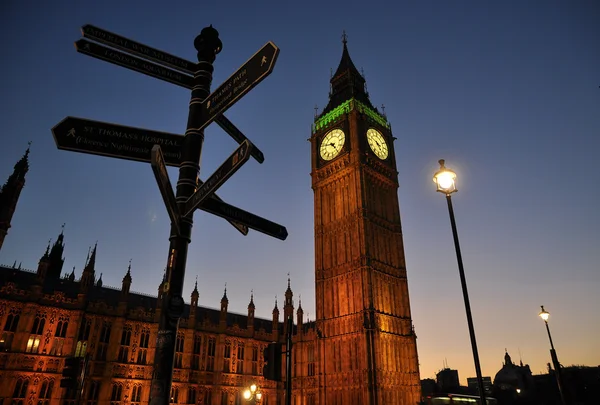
360 349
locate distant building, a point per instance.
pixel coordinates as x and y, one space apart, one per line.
428 387
513 381
447 380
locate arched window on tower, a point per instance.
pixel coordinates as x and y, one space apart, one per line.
37 330
143 347
82 339
136 395
116 394
93 393
45 392
59 336
103 341
125 343
20 391
174 395
10 327
179 351
196 350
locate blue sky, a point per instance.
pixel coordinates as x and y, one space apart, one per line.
506 92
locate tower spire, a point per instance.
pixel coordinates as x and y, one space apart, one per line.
346 83
10 192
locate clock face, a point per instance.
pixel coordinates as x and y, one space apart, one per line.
331 146
377 143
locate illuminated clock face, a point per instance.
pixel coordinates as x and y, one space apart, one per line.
377 143
332 144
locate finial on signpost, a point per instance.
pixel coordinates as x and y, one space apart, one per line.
208 44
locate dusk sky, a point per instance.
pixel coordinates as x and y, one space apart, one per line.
507 92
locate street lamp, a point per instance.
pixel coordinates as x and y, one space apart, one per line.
253 395
444 178
545 315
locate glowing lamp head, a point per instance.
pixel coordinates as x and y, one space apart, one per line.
258 395
444 178
544 314
247 394
253 388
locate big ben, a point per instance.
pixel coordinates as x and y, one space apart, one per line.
367 344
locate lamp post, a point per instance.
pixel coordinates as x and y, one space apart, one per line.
545 315
444 178
253 394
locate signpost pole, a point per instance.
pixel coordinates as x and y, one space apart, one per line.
208 45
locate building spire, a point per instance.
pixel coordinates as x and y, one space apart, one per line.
346 83
10 192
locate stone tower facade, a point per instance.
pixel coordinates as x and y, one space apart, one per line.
9 194
367 341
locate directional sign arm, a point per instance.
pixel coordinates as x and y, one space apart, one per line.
231 213
240 227
134 63
135 48
254 71
220 176
238 136
164 185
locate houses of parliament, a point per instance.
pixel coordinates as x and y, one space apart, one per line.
360 349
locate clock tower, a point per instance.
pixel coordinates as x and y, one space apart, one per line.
367 344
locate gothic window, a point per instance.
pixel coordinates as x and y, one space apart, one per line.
254 360
179 351
311 360
207 397
116 394
136 394
311 399
82 339
227 362
191 395
103 341
6 341
37 330
69 396
11 322
61 327
196 353
93 393
224 398
174 395
20 391
45 392
125 343
210 362
240 359
143 349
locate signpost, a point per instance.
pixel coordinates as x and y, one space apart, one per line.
220 176
118 141
150 69
105 139
164 185
258 67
